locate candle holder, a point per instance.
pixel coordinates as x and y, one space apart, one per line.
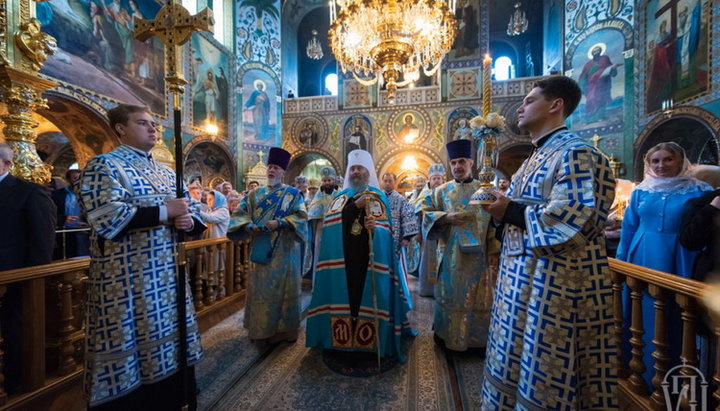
485 132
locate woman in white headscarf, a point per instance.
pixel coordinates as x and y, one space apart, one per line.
651 230
651 224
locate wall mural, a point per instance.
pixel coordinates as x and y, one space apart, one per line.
358 134
467 40
310 132
384 131
581 14
209 84
357 95
463 83
511 122
209 160
678 51
259 108
597 64
409 126
97 51
258 32
458 124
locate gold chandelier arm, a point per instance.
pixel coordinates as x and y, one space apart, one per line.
405 82
365 82
432 71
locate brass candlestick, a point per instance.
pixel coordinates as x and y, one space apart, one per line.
485 131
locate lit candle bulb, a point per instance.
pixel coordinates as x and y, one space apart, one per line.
487 86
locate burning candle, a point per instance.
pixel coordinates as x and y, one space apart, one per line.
487 86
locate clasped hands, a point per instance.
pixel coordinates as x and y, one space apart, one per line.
271 225
178 213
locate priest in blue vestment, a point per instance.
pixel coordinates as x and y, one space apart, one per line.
357 299
276 217
464 285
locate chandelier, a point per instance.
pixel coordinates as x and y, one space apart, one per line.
389 41
518 22
314 49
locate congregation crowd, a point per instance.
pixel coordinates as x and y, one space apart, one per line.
523 282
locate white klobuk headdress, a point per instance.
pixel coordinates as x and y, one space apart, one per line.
361 158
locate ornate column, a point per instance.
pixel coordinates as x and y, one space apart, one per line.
23 50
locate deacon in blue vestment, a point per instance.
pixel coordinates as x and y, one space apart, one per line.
463 293
131 334
357 300
551 343
275 216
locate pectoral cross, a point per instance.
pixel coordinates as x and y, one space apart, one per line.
173 25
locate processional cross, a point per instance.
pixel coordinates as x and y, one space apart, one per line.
173 25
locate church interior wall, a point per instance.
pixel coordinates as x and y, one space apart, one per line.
617 27
92 69
606 28
552 36
311 73
383 129
259 57
665 90
96 69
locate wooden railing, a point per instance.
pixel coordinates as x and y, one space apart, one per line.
665 289
46 306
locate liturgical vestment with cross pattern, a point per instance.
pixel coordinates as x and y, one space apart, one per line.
131 311
551 333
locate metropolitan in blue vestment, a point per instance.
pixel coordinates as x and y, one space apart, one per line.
357 298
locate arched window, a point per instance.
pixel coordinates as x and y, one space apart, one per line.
504 68
331 83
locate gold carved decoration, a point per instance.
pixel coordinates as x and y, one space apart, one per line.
3 27
22 95
23 51
160 151
34 44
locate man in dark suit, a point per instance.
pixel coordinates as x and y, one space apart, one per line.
69 217
27 218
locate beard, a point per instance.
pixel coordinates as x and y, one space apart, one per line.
359 182
460 175
273 181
